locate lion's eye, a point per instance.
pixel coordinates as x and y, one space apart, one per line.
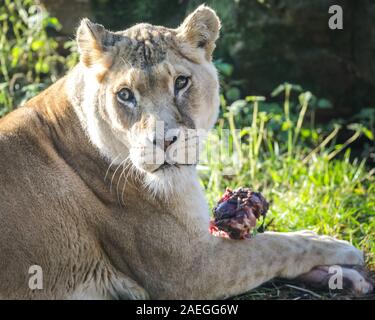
181 83
125 95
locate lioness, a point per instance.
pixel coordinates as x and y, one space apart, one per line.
78 200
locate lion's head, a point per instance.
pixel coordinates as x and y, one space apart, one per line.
147 88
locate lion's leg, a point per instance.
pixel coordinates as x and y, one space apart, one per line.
125 288
232 267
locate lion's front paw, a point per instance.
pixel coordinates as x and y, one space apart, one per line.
343 252
355 279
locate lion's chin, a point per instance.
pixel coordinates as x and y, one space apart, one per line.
169 179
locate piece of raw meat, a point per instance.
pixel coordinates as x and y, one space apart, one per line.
236 214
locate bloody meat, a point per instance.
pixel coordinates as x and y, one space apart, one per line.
237 212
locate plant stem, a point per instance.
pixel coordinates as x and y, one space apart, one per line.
322 145
301 116
288 88
354 137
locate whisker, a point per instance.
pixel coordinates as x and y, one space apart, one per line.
125 166
126 179
131 169
113 175
127 63
110 165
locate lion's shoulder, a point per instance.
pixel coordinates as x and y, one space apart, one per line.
33 117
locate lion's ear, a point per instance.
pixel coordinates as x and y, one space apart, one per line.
95 43
201 29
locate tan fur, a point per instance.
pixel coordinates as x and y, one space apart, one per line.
102 227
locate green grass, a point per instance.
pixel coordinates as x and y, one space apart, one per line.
334 197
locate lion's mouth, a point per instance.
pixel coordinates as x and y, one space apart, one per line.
167 165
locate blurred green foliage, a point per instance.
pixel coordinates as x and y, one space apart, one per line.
29 57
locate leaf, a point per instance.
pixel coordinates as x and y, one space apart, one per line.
244 132
305 132
16 52
355 127
285 86
237 106
365 114
324 104
368 133
223 102
225 69
3 85
41 67
263 116
255 98
277 90
233 94
338 146
53 22
286 125
315 136
36 45
305 97
297 87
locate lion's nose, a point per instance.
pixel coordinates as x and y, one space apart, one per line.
167 142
